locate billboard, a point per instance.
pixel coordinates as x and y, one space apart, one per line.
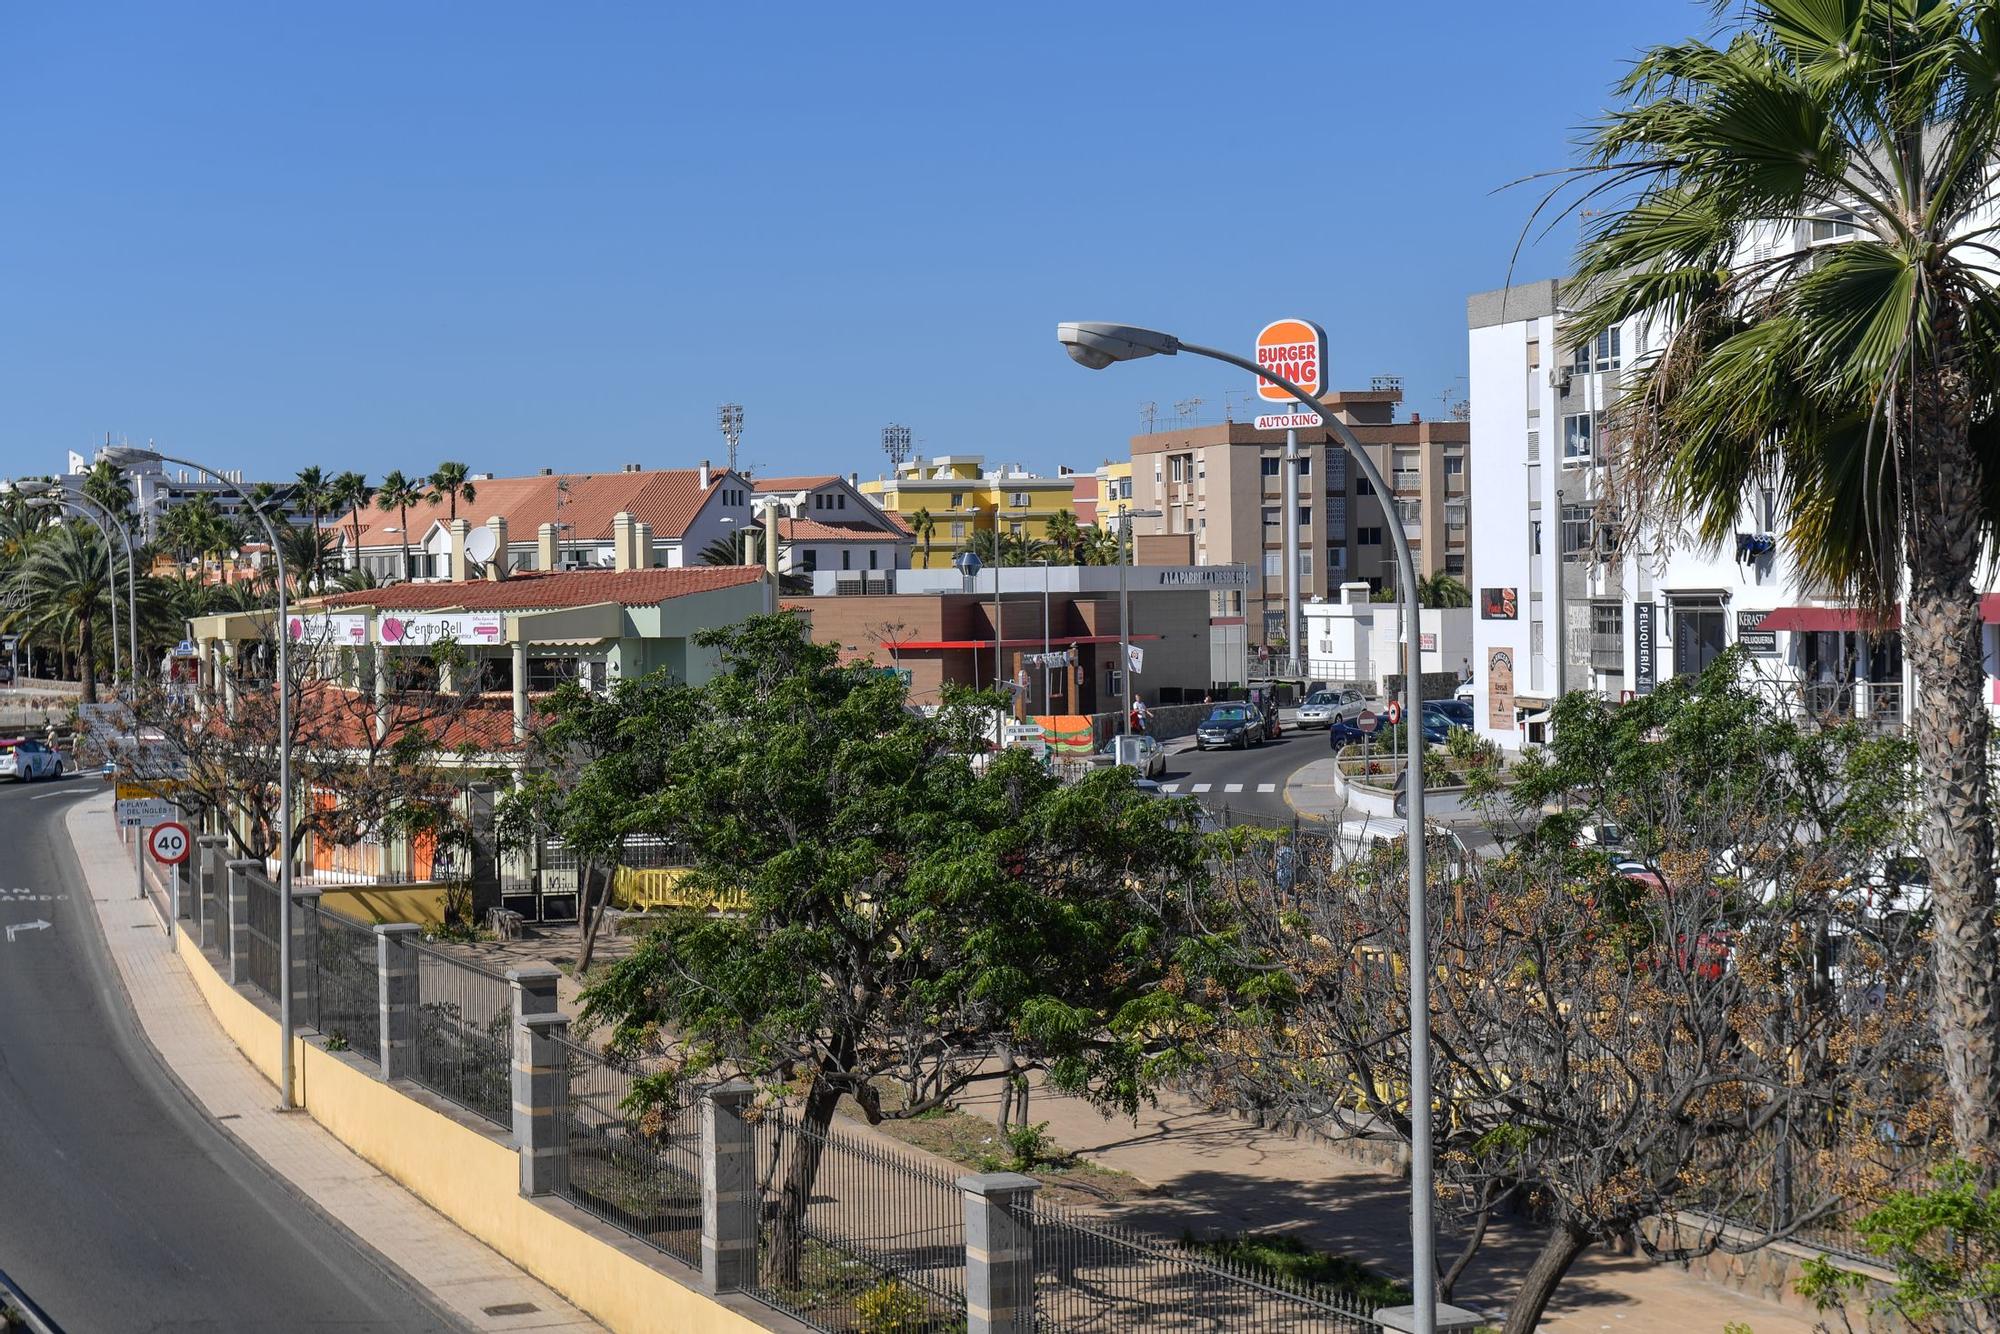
1499 604
1645 666
322 630
1758 643
1295 349
485 628
1500 689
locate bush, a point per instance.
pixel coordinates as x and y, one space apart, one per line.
1288 1257
891 1307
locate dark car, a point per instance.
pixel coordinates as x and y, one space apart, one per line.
1454 711
1436 729
1234 725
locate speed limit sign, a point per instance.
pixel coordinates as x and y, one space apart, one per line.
1395 712
168 843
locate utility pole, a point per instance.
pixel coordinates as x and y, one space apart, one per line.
1290 492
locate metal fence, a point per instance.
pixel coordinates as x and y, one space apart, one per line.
1091 1275
343 999
158 881
854 1236
266 922
638 1171
464 1044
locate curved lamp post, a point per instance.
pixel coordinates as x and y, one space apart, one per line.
56 496
57 491
1096 346
124 456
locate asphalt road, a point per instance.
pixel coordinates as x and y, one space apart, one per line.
122 1206
1250 783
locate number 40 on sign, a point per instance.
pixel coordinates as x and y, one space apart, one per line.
168 843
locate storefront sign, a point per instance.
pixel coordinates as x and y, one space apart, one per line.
1644 671
484 628
1757 643
1206 576
335 630
1500 689
1427 643
1289 421
1499 604
1295 349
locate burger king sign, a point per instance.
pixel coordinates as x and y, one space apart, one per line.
1295 349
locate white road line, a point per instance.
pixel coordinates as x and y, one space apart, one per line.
71 792
1267 787
1232 787
1170 787
1199 788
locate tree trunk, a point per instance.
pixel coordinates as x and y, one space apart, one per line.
1942 635
1565 1242
87 657
788 1231
588 921
1449 1282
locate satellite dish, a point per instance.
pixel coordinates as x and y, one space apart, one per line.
479 544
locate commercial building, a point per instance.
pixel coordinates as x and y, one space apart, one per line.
941 628
158 487
1568 597
959 495
1220 491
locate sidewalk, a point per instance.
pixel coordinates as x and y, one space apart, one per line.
1216 1173
466 1279
1310 792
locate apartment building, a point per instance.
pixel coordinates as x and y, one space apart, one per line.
1220 490
1567 598
961 494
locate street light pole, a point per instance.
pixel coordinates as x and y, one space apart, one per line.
1095 346
131 577
124 455
58 495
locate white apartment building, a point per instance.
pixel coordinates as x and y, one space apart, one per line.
1566 599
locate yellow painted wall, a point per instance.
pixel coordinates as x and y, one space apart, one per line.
422 904
469 1177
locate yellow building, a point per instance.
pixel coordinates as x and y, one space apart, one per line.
963 496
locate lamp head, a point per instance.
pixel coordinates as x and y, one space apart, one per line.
124 456
1095 345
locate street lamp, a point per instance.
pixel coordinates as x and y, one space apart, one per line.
125 456
1097 345
58 491
58 495
1125 517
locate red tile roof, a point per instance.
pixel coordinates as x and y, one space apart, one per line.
792 483
812 530
548 592
667 499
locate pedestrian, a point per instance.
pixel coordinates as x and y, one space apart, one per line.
1207 698
1139 716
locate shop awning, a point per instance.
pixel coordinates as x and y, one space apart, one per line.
1058 641
1851 620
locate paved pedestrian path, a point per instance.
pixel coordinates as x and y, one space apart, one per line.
464 1278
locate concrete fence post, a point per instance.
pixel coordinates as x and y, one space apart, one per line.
396 998
728 1189
999 1253
305 931
536 1127
212 917
240 871
540 1088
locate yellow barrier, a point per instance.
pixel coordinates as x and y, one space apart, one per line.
369 904
663 888
468 1177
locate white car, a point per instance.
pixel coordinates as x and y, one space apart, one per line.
26 760
1324 708
1152 756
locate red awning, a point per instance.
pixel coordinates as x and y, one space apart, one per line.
1851 620
1059 641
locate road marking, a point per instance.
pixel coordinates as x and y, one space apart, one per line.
1267 787
36 925
1170 787
68 792
1232 787
1199 788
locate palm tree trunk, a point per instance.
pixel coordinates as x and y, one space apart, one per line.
87 657
1942 635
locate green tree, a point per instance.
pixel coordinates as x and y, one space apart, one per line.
450 481
396 494
1065 536
60 594
729 549
1859 379
1098 546
105 483
923 524
900 914
1442 590
352 494
313 494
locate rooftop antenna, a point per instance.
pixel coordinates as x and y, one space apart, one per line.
896 444
1184 411
730 417
1149 413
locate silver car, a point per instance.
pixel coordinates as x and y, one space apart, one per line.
1318 710
1152 756
26 760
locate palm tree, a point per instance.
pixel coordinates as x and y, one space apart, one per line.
450 482
313 494
105 483
1065 535
1098 546
1442 590
60 593
398 493
727 549
1857 379
351 492
306 551
923 524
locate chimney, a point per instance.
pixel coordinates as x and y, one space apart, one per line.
771 525
546 547
854 480
457 529
621 541
496 568
642 546
548 472
631 467
704 474
750 548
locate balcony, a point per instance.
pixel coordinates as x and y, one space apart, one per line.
1607 653
1407 479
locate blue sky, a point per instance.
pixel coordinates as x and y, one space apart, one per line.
380 235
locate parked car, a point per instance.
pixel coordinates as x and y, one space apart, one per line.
26 759
1152 755
1464 693
1324 708
1234 725
1454 711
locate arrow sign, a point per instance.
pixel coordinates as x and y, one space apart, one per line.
36 925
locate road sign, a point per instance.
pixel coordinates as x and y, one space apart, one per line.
1138 658
1395 712
184 649
144 812
1365 721
168 842
1295 349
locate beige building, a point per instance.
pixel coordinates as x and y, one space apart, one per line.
1220 490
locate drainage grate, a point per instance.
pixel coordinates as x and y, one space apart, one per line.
511 1308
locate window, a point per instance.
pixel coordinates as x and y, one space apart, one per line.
1607 620
840 502
1305 516
1600 354
1274 564
1362 487
958 532
1454 566
1837 227
1577 438
1125 488
1767 510
1575 529
1454 514
874 559
846 559
1014 527
1179 467
1019 500
1454 464
1410 511
1271 519
1305 467
1305 563
809 559
958 500
1368 537
1535 537
1534 353
1269 465
1534 446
